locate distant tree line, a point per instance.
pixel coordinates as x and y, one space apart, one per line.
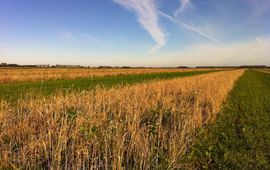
126 67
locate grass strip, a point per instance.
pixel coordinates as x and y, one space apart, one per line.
13 91
240 138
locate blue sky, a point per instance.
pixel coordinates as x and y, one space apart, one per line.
135 32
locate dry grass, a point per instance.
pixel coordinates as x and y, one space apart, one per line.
8 75
143 126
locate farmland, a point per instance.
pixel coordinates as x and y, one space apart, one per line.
161 119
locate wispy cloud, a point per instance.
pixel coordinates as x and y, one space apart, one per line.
188 27
184 4
147 14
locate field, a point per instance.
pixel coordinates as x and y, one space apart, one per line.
134 119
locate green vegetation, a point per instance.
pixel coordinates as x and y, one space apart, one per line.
13 91
240 138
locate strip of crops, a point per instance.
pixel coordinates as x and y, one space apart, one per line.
13 91
11 75
240 139
141 126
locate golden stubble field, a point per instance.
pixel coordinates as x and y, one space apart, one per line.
141 126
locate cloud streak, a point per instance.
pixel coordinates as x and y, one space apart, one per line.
188 27
183 5
147 14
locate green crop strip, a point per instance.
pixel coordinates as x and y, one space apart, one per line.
14 91
240 138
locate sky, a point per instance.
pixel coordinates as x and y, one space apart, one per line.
135 32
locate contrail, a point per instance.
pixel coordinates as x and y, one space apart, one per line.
188 27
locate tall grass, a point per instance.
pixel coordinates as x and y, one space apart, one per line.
143 126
